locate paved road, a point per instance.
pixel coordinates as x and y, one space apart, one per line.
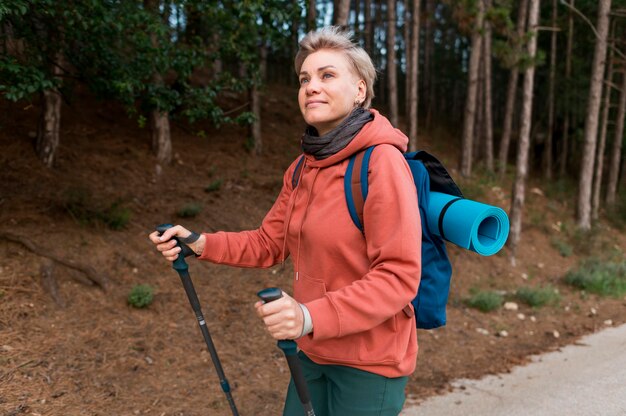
585 379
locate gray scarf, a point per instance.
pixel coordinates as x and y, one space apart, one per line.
322 147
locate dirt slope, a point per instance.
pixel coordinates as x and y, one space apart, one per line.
90 353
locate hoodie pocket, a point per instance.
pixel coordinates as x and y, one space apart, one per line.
307 289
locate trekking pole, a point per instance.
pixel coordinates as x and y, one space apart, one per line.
290 349
180 265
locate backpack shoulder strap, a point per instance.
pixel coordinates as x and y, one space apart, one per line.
296 172
356 185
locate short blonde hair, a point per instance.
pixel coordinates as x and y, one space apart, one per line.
337 39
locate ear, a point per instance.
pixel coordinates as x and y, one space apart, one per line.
361 91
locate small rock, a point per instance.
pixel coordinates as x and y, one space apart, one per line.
533 319
567 309
135 270
525 276
7 348
482 331
503 334
536 191
556 334
608 322
149 360
521 316
531 333
557 226
540 265
593 311
511 306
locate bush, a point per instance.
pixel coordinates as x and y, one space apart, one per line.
537 297
565 250
214 186
485 301
79 204
190 210
140 296
605 278
116 217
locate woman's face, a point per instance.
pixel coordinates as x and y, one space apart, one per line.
328 89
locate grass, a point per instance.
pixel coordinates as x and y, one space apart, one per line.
604 278
189 210
140 296
485 301
214 186
537 296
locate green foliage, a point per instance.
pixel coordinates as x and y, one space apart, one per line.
605 278
564 249
140 296
485 301
617 214
189 210
214 186
537 296
79 204
127 52
116 216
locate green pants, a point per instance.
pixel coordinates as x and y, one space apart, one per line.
343 391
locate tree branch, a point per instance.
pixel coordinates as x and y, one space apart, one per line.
92 276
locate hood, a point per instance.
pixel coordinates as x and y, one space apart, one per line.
377 131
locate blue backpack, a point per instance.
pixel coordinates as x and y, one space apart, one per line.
429 175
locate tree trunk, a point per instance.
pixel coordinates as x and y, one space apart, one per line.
519 186
392 76
311 16
568 72
616 154
406 26
591 122
488 123
547 153
414 76
470 103
380 24
428 79
597 179
159 120
368 33
342 12
48 130
255 127
161 138
357 18
505 141
480 109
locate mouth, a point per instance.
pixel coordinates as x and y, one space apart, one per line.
313 103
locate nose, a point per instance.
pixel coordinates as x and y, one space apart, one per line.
313 86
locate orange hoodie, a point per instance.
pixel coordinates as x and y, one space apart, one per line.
355 288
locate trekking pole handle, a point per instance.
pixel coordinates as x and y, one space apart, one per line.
290 349
179 263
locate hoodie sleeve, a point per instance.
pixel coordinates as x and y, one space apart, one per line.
393 243
262 247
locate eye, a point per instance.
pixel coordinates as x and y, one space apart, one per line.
328 75
303 81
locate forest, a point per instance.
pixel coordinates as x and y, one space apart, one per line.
116 114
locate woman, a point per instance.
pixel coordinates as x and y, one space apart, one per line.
357 345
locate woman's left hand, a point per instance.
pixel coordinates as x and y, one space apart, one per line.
283 317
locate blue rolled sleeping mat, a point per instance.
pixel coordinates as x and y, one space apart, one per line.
471 225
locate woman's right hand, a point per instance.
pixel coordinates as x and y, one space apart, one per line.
166 244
